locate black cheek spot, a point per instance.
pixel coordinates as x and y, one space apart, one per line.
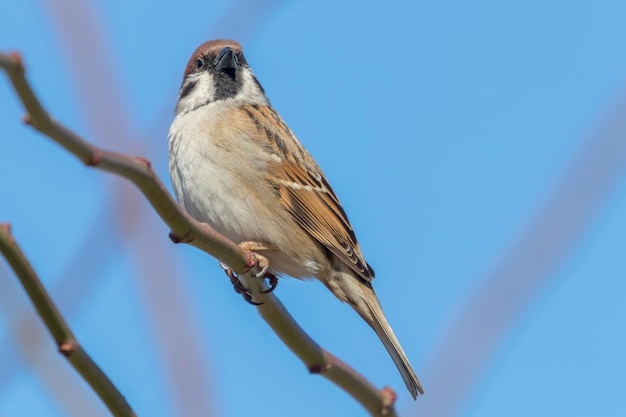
259 85
188 88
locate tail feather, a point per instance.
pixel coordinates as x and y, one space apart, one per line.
385 333
360 295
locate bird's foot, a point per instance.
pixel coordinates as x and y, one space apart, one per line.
254 259
238 287
272 280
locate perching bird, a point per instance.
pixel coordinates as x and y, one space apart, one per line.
236 166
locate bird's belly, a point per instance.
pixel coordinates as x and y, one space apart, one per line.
213 195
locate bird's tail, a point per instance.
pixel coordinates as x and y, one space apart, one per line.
360 295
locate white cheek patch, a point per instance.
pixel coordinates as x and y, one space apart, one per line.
204 92
201 94
250 91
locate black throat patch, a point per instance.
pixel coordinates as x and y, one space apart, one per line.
227 84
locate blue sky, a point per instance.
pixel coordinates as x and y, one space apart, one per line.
477 148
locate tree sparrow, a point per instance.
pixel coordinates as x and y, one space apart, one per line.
236 166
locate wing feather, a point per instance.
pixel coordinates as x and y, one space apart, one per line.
305 192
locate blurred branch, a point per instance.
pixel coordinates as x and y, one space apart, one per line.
527 266
58 328
248 14
69 290
166 305
186 230
29 345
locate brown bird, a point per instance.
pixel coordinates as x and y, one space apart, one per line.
237 166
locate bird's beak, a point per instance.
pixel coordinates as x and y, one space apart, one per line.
226 60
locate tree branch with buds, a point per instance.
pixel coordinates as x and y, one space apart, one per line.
185 229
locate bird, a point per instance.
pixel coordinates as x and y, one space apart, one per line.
236 166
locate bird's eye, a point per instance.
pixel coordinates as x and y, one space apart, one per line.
199 64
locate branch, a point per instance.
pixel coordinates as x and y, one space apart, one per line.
58 328
185 229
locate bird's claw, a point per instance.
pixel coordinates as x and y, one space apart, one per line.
240 289
273 281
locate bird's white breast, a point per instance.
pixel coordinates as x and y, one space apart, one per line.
210 166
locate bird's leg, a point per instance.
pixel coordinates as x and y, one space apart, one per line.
253 259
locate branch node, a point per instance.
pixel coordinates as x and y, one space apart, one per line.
27 119
6 227
66 349
143 161
16 57
389 399
184 239
95 158
319 369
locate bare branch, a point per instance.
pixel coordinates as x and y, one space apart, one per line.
58 328
316 359
186 230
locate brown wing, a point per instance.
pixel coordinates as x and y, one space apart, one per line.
305 192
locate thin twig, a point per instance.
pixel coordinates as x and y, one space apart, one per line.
186 230
58 328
